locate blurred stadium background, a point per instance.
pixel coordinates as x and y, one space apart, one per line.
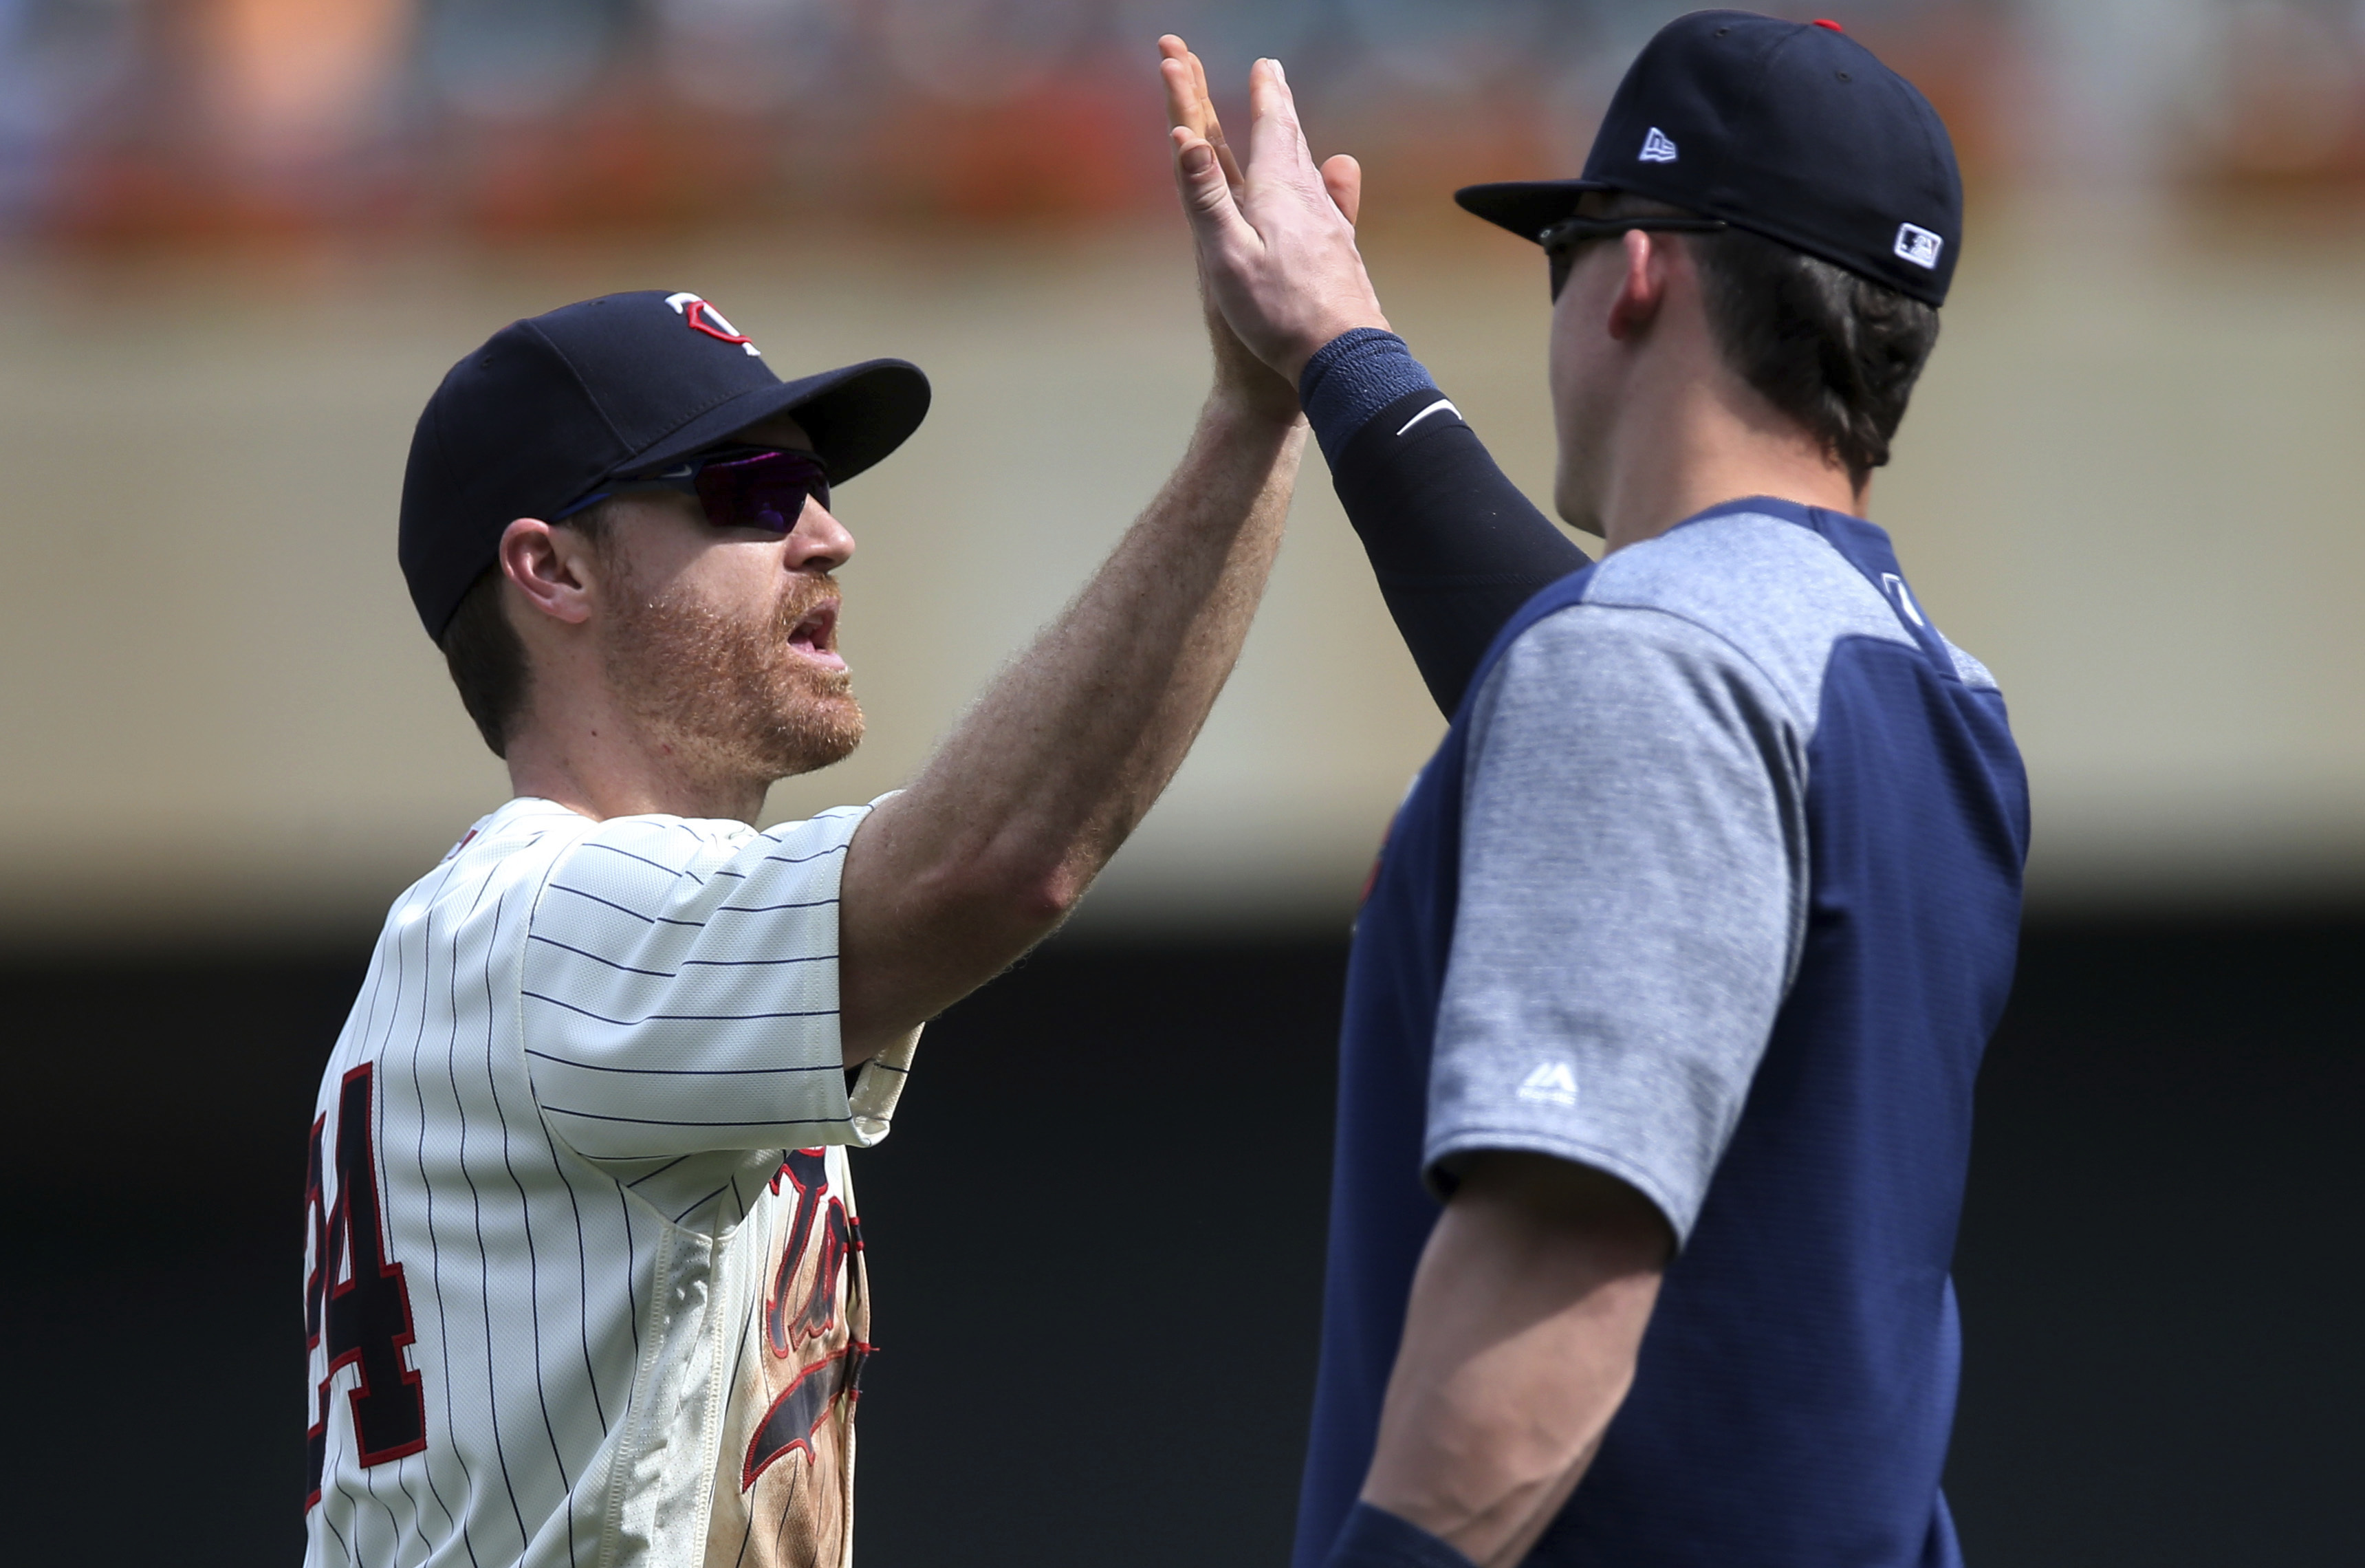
240 239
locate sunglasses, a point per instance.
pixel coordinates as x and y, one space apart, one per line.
738 486
1560 241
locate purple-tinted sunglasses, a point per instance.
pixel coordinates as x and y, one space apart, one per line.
739 487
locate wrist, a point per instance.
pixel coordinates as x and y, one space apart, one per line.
1300 354
1355 374
1266 405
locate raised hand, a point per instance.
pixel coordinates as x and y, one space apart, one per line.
1238 373
1275 236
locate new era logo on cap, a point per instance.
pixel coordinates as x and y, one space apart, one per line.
1918 245
705 318
1657 148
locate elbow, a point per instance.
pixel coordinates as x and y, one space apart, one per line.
1032 883
1009 901
1041 902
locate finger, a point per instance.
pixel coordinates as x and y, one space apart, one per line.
1343 178
1182 97
1186 86
1213 128
1276 141
1206 195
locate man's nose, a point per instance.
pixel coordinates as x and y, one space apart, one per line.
819 543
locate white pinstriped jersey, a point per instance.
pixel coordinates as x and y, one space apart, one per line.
584 1278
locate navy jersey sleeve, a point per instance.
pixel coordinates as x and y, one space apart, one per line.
1455 547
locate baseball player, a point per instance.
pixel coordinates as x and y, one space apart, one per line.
1668 998
585 1277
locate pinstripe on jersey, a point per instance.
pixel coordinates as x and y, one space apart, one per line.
588 1052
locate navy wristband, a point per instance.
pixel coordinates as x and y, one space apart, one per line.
1351 377
1373 1538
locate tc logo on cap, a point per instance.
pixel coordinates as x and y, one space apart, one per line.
1657 148
1918 245
704 318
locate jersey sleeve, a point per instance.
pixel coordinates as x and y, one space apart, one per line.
1631 902
680 990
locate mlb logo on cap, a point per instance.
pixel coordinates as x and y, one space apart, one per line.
1918 245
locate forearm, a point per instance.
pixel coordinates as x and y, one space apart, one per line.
1454 545
1024 802
1520 1342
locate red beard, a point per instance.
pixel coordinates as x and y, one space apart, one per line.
731 698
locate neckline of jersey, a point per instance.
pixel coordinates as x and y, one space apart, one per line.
1774 506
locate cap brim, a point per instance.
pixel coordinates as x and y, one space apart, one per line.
1526 207
854 415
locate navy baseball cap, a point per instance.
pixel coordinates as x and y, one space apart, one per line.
552 405
1789 129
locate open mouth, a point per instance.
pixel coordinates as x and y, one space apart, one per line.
815 636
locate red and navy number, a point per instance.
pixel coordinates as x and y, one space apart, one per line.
355 1298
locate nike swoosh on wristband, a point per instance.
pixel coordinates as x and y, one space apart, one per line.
1441 403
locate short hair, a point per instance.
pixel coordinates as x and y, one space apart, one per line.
485 654
1832 351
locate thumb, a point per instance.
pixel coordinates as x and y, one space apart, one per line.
1206 193
1343 178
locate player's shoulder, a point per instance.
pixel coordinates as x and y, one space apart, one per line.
679 871
521 822
696 846
1751 586
1748 575
531 843
501 842
500 860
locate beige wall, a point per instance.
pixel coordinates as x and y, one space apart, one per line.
2126 485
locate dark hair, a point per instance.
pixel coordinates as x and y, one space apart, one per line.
487 656
1836 352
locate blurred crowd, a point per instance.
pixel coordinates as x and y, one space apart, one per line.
132 122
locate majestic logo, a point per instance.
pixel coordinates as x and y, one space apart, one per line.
1657 148
704 318
1918 245
1552 1083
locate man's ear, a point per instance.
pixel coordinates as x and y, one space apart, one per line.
552 567
1644 288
